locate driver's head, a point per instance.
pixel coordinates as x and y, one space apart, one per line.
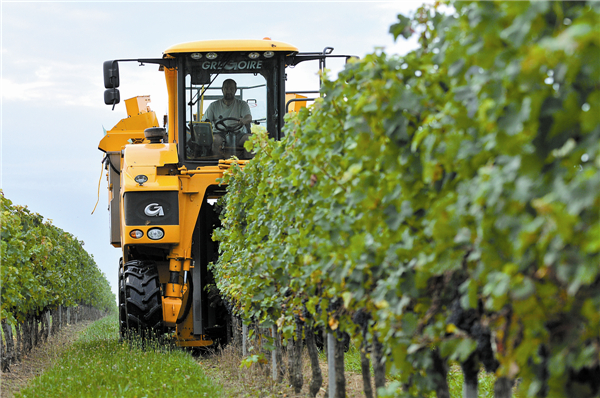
229 89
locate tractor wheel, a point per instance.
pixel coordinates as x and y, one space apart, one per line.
142 307
122 307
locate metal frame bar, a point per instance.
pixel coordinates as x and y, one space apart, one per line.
287 104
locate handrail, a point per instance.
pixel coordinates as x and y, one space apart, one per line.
287 104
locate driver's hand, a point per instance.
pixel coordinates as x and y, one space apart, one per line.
240 122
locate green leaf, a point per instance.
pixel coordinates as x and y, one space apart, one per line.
402 27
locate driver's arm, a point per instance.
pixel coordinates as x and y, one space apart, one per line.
246 119
209 114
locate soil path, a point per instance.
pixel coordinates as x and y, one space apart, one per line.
256 381
38 360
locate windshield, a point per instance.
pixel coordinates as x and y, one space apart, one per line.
226 102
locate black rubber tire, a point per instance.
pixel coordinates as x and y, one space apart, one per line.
122 309
141 311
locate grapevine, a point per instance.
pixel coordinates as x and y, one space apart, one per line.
45 269
452 195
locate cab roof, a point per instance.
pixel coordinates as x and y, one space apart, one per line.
265 44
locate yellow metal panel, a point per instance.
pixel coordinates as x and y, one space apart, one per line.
193 343
171 307
131 127
115 141
154 183
150 154
185 336
192 192
137 105
171 79
136 123
231 45
296 105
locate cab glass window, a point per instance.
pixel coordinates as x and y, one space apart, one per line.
219 96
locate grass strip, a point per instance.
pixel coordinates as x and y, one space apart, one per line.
99 365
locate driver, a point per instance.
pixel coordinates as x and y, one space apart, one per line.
229 106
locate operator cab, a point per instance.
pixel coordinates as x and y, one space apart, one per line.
196 73
205 82
204 72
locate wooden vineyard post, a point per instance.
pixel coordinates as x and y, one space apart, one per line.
503 387
235 332
470 370
27 335
361 318
340 377
54 322
279 356
296 352
335 363
35 329
19 349
274 354
331 363
47 322
244 339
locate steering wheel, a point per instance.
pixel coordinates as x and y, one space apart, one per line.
222 128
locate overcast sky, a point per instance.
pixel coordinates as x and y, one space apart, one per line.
53 113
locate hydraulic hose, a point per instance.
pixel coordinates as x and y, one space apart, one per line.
188 303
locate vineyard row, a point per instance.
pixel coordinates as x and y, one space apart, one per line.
439 206
45 270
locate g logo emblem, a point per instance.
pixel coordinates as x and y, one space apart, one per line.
154 210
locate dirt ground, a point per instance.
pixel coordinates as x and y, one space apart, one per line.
257 382
38 360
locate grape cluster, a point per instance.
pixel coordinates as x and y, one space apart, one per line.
299 319
585 381
361 318
469 321
334 305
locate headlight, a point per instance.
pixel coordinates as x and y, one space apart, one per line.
268 54
136 234
140 179
211 55
253 55
156 233
196 56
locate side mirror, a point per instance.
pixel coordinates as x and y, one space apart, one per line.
112 97
111 82
111 74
